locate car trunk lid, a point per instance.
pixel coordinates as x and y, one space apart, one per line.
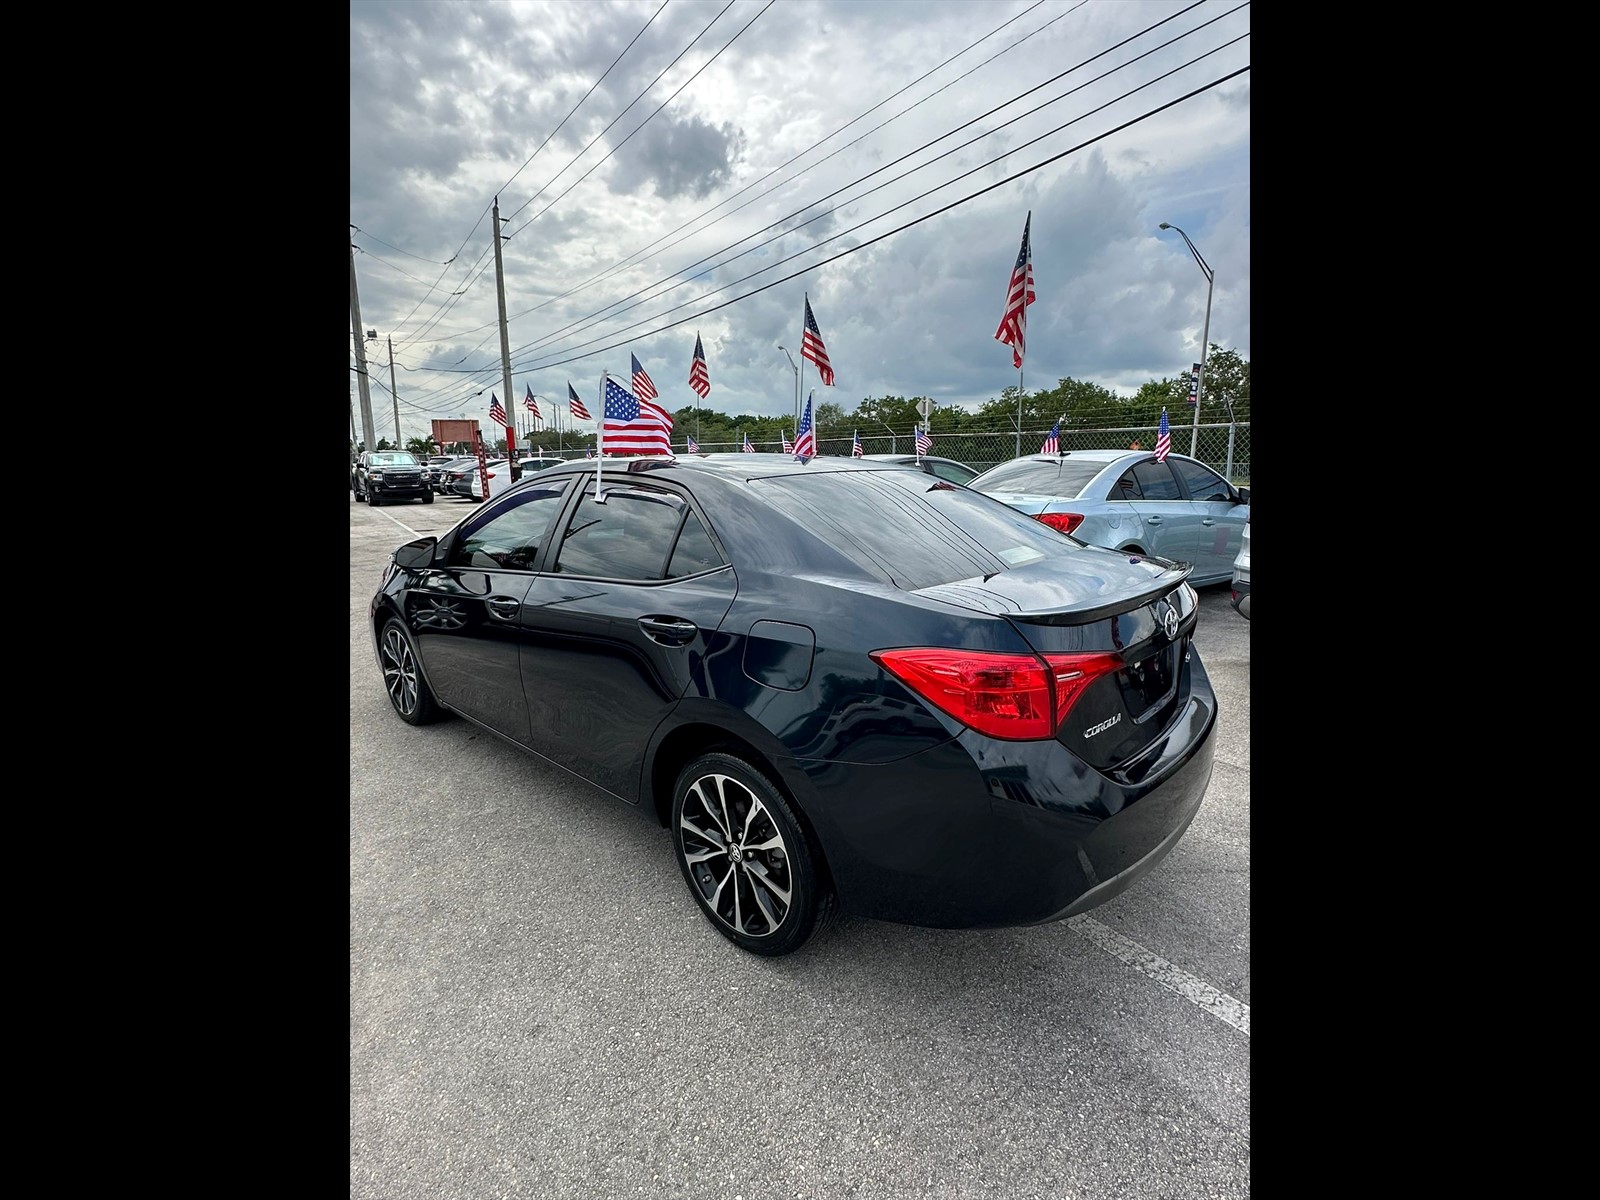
1136 610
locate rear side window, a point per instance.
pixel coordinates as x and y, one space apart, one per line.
914 532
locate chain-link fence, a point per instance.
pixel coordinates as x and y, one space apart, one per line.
1225 448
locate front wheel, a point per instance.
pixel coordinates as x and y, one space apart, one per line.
372 498
409 692
748 861
427 497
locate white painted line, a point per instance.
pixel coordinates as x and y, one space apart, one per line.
400 523
1219 1004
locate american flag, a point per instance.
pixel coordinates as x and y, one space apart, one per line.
924 442
747 447
1163 439
642 387
634 428
1019 294
805 441
531 404
811 347
496 413
578 410
1052 443
788 446
694 446
698 379
855 450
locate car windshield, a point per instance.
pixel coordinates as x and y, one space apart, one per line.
1045 477
393 460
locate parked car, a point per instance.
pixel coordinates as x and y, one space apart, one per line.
1179 509
944 468
1241 576
499 472
461 478
439 472
390 475
538 462
957 718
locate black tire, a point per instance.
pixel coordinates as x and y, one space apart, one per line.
372 499
408 691
781 894
427 497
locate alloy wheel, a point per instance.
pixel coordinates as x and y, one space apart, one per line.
399 671
736 855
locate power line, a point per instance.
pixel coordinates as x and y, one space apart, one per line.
786 230
898 229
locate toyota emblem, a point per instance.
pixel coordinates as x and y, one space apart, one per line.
1168 616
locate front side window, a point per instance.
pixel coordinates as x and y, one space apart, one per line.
1203 483
630 536
509 538
1156 481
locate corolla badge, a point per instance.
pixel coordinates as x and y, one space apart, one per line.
1168 616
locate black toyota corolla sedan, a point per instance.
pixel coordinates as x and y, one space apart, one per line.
840 685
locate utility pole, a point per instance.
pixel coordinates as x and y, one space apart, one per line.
505 350
399 444
369 431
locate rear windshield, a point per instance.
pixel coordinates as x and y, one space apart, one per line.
914 531
1065 478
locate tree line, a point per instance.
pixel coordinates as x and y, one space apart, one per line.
1075 402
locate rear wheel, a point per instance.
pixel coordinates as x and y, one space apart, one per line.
748 861
402 679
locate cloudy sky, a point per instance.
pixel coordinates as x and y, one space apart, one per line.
700 166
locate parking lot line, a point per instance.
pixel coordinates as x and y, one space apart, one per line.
1218 1003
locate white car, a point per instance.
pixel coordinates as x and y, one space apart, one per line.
1241 576
499 472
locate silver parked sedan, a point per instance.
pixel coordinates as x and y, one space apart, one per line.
1178 509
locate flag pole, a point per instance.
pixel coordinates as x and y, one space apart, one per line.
800 379
600 440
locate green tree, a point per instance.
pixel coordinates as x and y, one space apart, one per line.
421 446
1226 374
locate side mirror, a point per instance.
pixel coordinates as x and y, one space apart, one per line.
1244 495
414 556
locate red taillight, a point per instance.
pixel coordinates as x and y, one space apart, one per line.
1065 522
1016 697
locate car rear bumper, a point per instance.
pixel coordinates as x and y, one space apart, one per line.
981 833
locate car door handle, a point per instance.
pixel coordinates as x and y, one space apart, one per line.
1207 521
504 607
1153 520
669 631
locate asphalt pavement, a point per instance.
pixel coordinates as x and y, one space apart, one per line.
538 1009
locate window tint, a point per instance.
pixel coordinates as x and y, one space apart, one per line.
510 536
952 472
1203 483
1126 488
627 537
1156 481
911 531
1064 478
695 551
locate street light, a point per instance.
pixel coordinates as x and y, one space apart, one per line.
796 371
1205 335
